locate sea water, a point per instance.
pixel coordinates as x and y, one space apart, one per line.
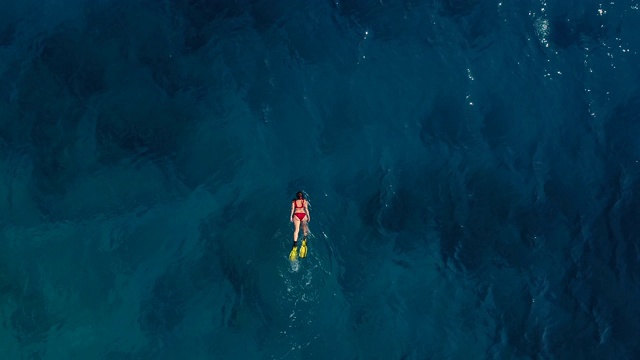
472 169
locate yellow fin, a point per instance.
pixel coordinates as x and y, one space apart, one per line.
293 255
303 248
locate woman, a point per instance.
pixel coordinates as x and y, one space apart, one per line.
299 214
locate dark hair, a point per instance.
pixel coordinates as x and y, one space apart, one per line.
299 195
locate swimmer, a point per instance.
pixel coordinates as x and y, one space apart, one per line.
300 214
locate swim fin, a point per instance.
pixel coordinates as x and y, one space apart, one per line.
293 255
303 248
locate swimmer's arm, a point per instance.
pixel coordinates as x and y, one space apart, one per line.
306 209
291 215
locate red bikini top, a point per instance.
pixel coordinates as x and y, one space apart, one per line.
295 203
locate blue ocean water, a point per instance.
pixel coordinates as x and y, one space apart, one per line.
472 168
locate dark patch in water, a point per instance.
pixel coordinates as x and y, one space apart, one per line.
457 8
72 58
622 131
30 321
165 309
200 15
567 30
447 122
7 34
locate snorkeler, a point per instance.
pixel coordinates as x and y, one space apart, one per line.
299 214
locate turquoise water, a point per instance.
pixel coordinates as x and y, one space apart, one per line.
472 169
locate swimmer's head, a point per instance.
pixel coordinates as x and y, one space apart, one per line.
300 195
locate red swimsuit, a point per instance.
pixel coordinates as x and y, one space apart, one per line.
300 215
